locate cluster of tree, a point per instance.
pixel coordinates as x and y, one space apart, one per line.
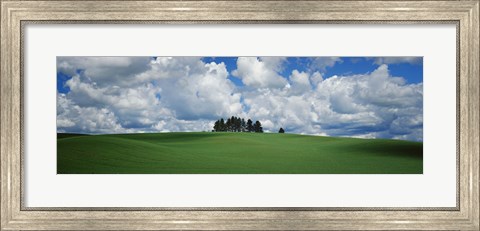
236 124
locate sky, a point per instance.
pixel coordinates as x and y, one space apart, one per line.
365 97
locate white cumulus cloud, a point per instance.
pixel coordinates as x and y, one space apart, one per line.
165 94
258 73
168 89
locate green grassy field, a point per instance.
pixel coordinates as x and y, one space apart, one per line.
234 153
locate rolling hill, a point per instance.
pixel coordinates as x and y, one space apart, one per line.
234 153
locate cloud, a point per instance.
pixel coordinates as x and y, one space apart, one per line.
280 108
300 82
145 94
316 78
273 63
71 117
170 89
206 94
175 125
395 60
375 104
322 63
259 73
101 70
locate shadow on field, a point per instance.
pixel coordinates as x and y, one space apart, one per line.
393 149
68 135
166 137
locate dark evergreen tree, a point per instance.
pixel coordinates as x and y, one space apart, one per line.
222 125
228 125
250 127
258 127
234 123
281 130
243 125
237 124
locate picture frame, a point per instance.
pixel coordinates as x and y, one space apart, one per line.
15 14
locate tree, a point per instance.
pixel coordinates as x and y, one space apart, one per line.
250 127
258 127
228 125
281 130
222 125
234 124
237 124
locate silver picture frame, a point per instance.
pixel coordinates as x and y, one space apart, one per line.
16 14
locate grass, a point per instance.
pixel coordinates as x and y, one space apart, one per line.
234 153
68 135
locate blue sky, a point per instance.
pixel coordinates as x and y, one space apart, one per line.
370 97
413 73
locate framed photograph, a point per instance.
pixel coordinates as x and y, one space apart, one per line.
240 115
170 115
